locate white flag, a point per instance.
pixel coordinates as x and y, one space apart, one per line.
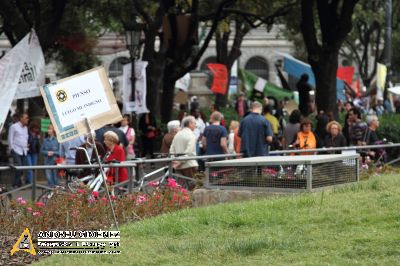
139 105
10 71
183 83
260 84
33 71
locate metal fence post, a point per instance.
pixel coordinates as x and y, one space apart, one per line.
139 172
358 168
130 183
34 185
170 170
207 177
309 177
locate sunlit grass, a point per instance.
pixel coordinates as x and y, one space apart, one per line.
355 224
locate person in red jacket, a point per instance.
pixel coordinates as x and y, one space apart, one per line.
116 153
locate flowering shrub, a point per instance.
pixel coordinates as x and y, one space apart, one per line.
90 211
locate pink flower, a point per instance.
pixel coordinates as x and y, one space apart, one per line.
95 194
141 199
21 200
183 190
82 191
175 197
154 184
104 199
171 183
91 200
36 213
29 209
113 197
39 204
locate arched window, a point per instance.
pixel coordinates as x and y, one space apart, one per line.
208 60
259 66
115 68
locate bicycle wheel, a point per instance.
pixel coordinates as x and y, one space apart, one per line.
45 196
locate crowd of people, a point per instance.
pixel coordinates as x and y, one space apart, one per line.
262 127
25 144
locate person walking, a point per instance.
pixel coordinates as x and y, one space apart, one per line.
34 148
184 142
214 139
50 150
255 133
148 126
233 138
292 128
173 128
130 136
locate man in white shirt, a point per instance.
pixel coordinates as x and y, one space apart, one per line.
199 130
185 143
18 145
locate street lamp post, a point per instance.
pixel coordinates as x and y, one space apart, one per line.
133 44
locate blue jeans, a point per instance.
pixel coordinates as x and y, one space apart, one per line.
32 160
19 160
52 178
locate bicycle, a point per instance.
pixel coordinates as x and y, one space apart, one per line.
156 179
73 182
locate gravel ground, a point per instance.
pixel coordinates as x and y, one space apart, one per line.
19 258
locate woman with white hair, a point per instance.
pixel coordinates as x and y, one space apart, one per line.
117 153
173 128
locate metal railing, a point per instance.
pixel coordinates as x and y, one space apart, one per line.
131 163
346 148
140 161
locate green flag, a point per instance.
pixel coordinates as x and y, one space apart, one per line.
249 81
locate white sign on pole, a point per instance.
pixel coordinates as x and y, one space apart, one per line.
10 71
139 105
86 95
33 71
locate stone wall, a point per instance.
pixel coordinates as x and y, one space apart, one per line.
205 197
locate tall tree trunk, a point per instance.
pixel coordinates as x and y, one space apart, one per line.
154 71
167 100
325 78
154 83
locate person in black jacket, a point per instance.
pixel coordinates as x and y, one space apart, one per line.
304 94
334 138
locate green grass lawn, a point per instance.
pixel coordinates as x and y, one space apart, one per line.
356 224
